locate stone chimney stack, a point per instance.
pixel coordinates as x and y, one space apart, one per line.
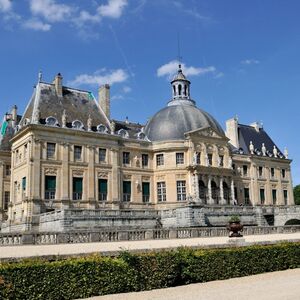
104 99
58 85
232 131
14 115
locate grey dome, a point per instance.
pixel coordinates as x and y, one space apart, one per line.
172 122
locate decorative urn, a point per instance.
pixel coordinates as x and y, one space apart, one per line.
235 227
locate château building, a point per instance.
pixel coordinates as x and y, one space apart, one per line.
65 160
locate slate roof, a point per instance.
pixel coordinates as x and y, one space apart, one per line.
248 133
78 105
132 128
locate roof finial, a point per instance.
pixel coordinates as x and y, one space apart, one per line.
179 58
40 75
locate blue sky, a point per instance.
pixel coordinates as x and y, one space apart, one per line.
242 57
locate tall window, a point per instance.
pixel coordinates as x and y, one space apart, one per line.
198 158
285 197
209 156
272 172
126 191
102 187
181 190
262 196
179 158
50 187
145 160
221 157
77 153
246 196
23 186
6 200
50 150
283 173
126 158
146 191
102 155
159 159
25 151
77 188
7 170
260 171
274 196
245 170
161 191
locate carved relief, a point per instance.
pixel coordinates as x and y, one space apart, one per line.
180 176
103 175
78 172
160 177
145 178
126 176
50 171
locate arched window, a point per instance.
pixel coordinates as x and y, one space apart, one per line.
123 133
215 191
202 191
185 90
51 121
174 90
179 89
102 128
77 125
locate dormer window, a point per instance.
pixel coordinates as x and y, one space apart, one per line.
123 133
51 121
77 125
102 128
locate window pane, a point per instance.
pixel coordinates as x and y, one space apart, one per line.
77 152
146 191
181 190
159 159
126 191
50 150
126 158
179 158
145 160
161 191
50 182
102 183
102 155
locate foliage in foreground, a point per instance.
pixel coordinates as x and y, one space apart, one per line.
96 275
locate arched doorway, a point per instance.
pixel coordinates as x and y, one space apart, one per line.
202 191
292 222
215 192
226 193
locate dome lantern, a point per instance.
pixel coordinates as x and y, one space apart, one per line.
180 86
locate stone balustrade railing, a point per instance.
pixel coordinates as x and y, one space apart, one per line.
131 235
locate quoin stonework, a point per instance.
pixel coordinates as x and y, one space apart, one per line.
65 164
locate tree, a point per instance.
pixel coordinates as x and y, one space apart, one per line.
297 194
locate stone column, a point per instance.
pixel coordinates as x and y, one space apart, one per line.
91 175
253 193
268 189
280 199
36 178
233 200
196 187
210 199
291 200
203 155
64 183
222 200
1 186
115 184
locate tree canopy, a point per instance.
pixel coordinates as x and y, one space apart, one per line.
297 194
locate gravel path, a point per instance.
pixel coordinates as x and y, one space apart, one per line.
283 285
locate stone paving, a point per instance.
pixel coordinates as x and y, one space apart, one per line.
282 285
25 251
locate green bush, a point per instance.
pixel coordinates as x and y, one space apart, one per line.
97 275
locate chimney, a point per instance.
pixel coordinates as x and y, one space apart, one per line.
104 99
14 115
58 85
232 131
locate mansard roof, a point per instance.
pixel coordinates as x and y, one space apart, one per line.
7 133
77 104
257 136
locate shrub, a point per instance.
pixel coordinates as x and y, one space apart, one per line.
97 275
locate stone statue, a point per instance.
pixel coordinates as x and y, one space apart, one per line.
275 152
64 119
263 149
230 162
137 161
286 153
113 127
251 148
195 158
89 123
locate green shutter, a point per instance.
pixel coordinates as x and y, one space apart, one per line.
24 183
77 185
103 186
50 183
127 187
146 188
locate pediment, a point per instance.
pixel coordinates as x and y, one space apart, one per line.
207 132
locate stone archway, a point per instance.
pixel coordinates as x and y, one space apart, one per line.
292 222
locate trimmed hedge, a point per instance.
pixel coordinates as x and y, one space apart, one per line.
96 275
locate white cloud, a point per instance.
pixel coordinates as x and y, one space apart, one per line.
250 62
113 9
5 5
171 68
126 89
98 78
85 17
37 25
50 10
